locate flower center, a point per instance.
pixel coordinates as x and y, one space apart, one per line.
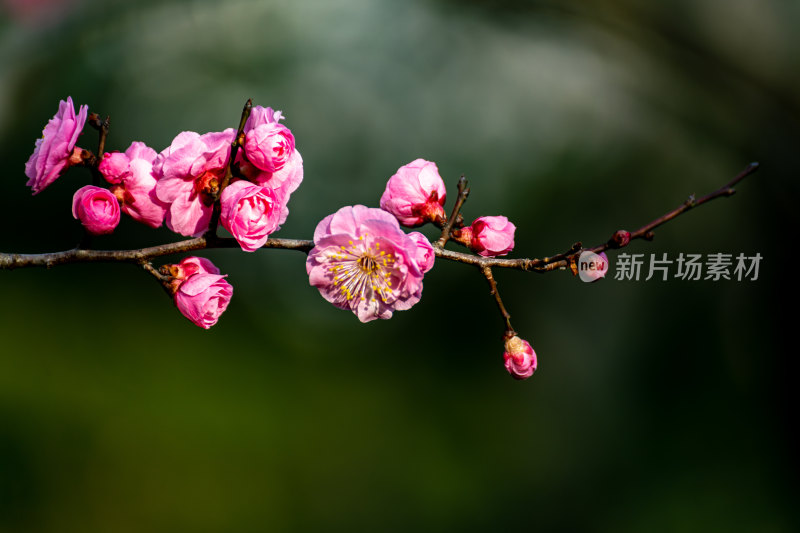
207 185
363 272
367 264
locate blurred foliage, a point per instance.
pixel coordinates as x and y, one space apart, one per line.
657 406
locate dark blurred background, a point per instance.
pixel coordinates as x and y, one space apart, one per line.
657 406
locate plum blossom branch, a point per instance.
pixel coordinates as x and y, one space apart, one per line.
360 259
10 261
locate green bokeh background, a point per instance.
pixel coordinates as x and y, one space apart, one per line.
657 406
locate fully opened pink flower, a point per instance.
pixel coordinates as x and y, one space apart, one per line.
204 294
189 173
135 183
56 150
362 261
96 208
520 359
250 212
416 194
490 236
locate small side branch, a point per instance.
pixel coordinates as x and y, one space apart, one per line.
230 170
487 273
463 192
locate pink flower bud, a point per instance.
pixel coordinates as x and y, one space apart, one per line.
520 359
492 236
200 292
54 150
425 254
269 146
96 208
114 167
415 194
621 238
250 212
203 297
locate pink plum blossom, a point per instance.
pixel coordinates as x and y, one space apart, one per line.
363 262
201 293
520 359
135 183
189 173
415 194
96 208
425 254
268 144
56 149
285 176
250 212
490 236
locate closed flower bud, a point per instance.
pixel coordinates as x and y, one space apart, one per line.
621 238
269 146
96 208
251 213
520 359
491 236
415 194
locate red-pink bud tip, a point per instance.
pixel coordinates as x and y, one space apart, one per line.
621 238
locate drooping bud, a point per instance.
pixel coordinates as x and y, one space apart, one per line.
415 194
491 236
520 359
201 293
96 208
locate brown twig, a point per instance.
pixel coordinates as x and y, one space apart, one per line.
487 273
463 192
237 142
77 255
162 279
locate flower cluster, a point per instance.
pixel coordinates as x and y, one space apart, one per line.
361 260
181 186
